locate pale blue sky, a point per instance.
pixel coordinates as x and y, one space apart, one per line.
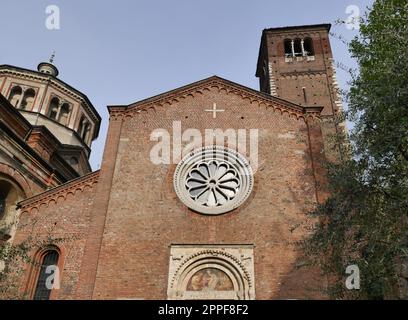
122 51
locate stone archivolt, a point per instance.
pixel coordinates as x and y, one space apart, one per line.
233 260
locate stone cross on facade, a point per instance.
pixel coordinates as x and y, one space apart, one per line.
214 110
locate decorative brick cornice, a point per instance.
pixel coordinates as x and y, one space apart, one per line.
313 27
168 98
303 73
58 193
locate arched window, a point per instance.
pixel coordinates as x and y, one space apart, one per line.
288 47
308 46
81 126
10 195
15 96
28 99
298 47
53 108
46 276
2 204
84 129
85 135
64 114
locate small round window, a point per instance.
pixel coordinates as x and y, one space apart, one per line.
213 180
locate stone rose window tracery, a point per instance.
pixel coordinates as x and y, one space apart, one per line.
213 180
213 183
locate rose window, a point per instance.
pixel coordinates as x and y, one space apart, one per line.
213 180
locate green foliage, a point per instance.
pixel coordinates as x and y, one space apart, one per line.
13 257
365 220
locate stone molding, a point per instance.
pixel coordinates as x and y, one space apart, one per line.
237 261
224 158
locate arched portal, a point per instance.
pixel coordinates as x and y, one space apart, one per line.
10 194
198 273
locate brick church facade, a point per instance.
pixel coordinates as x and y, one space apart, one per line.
199 218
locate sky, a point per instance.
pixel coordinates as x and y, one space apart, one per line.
122 51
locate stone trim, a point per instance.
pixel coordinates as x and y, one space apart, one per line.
232 161
272 81
303 73
235 260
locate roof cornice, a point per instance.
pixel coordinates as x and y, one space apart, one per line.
326 26
61 191
169 97
63 86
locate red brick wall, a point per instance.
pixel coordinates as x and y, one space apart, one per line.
98 217
123 225
64 214
315 76
144 215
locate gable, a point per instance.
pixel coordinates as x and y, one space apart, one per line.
222 86
213 111
144 210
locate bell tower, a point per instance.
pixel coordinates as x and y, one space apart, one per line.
296 64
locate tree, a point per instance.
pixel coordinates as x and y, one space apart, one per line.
364 222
